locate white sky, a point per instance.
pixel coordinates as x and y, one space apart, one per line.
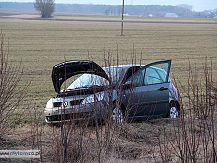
197 4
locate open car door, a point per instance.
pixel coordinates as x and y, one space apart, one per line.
156 89
149 95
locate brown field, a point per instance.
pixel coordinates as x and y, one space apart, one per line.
40 44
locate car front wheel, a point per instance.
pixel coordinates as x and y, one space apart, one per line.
117 116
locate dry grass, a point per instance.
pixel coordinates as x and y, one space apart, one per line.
136 142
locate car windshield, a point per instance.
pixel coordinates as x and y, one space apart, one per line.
115 73
90 80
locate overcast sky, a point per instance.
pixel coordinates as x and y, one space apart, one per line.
197 4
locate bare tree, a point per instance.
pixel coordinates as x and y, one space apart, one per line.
46 7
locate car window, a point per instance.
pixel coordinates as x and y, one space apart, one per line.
152 76
162 74
88 80
136 79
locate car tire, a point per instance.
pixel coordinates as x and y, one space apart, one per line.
174 112
118 116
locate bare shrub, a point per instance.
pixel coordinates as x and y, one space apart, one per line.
11 94
194 134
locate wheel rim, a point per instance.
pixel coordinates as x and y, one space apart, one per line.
117 116
174 113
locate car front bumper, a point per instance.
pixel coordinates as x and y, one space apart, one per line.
86 112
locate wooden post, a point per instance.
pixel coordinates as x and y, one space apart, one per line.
122 20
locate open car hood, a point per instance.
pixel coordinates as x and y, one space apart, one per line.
63 71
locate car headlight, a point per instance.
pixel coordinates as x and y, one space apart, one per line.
49 104
93 98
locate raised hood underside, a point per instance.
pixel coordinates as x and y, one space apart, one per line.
63 71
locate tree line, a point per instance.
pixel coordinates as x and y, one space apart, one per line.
184 11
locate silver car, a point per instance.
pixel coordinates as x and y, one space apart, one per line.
124 92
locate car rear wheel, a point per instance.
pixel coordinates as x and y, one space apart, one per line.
117 116
174 112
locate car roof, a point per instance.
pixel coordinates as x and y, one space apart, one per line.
124 66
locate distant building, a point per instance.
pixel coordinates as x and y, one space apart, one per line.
171 15
189 7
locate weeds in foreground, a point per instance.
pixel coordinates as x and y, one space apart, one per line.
194 136
11 94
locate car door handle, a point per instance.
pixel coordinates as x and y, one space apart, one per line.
162 89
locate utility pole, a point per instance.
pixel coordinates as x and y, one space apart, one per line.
122 20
